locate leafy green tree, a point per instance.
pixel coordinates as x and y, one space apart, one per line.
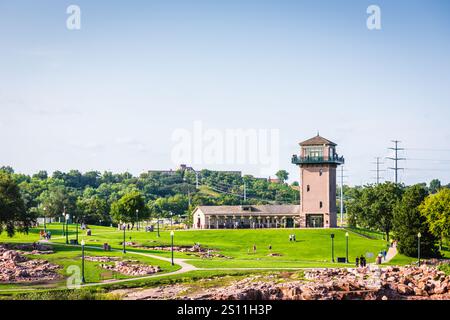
408 222
13 214
355 209
124 210
41 175
93 210
282 175
435 185
436 210
7 169
57 200
378 203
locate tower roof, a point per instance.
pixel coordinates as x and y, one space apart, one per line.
317 140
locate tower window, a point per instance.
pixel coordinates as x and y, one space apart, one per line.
320 204
307 188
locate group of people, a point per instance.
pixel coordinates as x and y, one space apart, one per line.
47 235
361 261
292 237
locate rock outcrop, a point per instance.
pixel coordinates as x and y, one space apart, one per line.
131 268
15 267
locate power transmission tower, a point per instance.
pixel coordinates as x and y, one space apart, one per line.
377 163
396 159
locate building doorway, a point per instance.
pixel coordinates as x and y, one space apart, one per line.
314 220
289 223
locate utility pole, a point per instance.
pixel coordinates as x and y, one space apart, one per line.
245 191
377 163
396 159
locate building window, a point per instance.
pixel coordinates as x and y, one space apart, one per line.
320 204
320 172
307 188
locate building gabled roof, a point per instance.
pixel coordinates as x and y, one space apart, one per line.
317 141
254 210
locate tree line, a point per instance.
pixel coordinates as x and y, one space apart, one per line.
403 212
109 198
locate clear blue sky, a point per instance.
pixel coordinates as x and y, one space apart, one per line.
109 96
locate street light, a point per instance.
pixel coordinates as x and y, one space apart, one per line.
76 241
45 219
63 224
137 218
332 247
419 235
67 227
346 249
124 227
82 262
171 214
171 236
157 223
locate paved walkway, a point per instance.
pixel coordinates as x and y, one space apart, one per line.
185 267
392 252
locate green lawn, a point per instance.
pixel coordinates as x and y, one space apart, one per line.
312 248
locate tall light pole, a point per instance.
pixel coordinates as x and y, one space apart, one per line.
157 223
332 247
419 235
63 224
82 262
124 227
67 227
76 241
171 236
45 219
137 219
171 214
346 247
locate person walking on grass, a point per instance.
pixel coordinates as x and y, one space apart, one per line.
254 248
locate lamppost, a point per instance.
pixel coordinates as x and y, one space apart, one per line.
67 227
332 247
157 223
76 241
346 247
82 262
124 227
419 235
171 214
171 236
45 219
137 219
63 224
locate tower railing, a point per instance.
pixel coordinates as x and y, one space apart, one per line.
333 159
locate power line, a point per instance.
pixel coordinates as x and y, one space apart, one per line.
396 159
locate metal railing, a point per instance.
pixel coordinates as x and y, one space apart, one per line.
308 159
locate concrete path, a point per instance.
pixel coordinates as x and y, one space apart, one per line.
185 267
392 252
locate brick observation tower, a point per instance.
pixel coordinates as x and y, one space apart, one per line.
318 161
